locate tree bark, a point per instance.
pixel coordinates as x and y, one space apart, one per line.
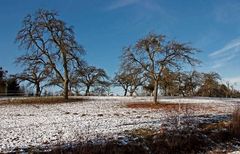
66 78
155 93
125 92
87 91
66 81
38 93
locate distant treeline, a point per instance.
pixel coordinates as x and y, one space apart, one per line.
176 83
9 85
186 84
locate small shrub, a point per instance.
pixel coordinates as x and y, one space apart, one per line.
83 115
116 114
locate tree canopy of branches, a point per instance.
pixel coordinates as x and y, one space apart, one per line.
168 82
91 76
129 77
188 83
210 86
52 42
121 79
35 73
148 87
154 53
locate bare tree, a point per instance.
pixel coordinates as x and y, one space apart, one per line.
122 79
153 53
35 73
34 76
168 82
102 89
52 42
210 85
129 77
91 76
134 74
192 82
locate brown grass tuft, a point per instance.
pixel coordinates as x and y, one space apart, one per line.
39 100
143 132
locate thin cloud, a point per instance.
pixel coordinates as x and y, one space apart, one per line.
226 12
222 61
233 79
232 46
224 55
143 13
121 3
149 5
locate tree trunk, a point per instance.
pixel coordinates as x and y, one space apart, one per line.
38 93
155 94
66 89
70 90
66 78
165 90
87 91
125 92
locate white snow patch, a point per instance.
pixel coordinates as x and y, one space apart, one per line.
37 125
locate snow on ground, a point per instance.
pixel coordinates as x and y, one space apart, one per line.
25 126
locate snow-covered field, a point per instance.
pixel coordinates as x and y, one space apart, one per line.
35 125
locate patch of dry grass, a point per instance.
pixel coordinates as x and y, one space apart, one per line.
170 106
40 100
143 132
219 125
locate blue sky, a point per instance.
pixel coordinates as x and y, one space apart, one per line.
104 27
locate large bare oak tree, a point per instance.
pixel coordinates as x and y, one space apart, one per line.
154 53
52 42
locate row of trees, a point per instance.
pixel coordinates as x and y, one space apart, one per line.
186 84
153 63
172 84
88 77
